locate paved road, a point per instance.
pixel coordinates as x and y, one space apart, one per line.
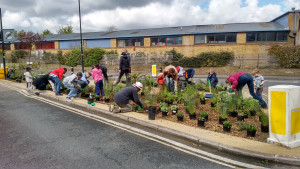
37 135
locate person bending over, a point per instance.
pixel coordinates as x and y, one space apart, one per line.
71 82
239 80
129 93
57 75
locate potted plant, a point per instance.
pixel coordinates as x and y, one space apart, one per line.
161 104
213 102
155 84
174 109
108 89
204 115
151 108
164 111
251 130
144 88
191 109
169 98
264 123
180 116
253 106
227 126
97 97
222 118
202 98
240 116
201 121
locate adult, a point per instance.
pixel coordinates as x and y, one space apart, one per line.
83 82
104 72
171 76
71 82
239 80
124 67
57 75
41 82
212 78
129 93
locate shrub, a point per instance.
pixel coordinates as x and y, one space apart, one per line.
164 109
206 59
62 59
176 56
289 56
174 107
251 128
227 124
203 114
17 55
179 114
93 56
49 58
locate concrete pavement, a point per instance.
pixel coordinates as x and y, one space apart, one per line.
220 141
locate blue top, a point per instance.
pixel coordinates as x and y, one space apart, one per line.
83 78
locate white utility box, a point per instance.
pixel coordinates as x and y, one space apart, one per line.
284 115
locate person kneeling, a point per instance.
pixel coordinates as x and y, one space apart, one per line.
71 82
129 93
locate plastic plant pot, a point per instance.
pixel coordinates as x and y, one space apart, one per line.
251 133
212 104
252 113
264 129
174 112
90 101
233 114
226 129
202 101
192 116
179 118
221 120
106 100
151 112
201 123
142 93
164 113
240 118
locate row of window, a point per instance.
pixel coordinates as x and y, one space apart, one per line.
267 37
163 41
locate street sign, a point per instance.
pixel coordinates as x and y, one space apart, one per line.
8 35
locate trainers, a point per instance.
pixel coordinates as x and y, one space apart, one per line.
116 109
68 99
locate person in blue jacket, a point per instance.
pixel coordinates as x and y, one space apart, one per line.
212 78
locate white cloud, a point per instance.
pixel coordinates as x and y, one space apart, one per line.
291 4
147 15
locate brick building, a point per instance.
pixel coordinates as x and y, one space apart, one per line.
246 40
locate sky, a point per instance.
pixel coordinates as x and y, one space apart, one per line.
99 15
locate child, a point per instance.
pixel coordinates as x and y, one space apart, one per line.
71 82
212 78
97 76
28 78
161 81
258 82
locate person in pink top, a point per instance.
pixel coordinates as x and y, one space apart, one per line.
239 80
98 78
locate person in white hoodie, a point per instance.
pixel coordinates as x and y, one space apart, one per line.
28 78
71 82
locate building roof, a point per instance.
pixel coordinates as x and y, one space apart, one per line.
169 31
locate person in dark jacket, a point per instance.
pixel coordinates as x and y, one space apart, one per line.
129 93
41 82
212 78
124 67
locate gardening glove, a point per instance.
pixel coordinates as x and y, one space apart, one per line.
142 106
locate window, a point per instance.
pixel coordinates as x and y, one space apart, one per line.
21 46
163 41
130 42
266 36
45 45
199 39
215 38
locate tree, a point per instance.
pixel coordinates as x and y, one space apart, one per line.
47 32
20 33
29 39
65 30
111 28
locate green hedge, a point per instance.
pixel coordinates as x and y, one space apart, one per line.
206 59
90 57
289 56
